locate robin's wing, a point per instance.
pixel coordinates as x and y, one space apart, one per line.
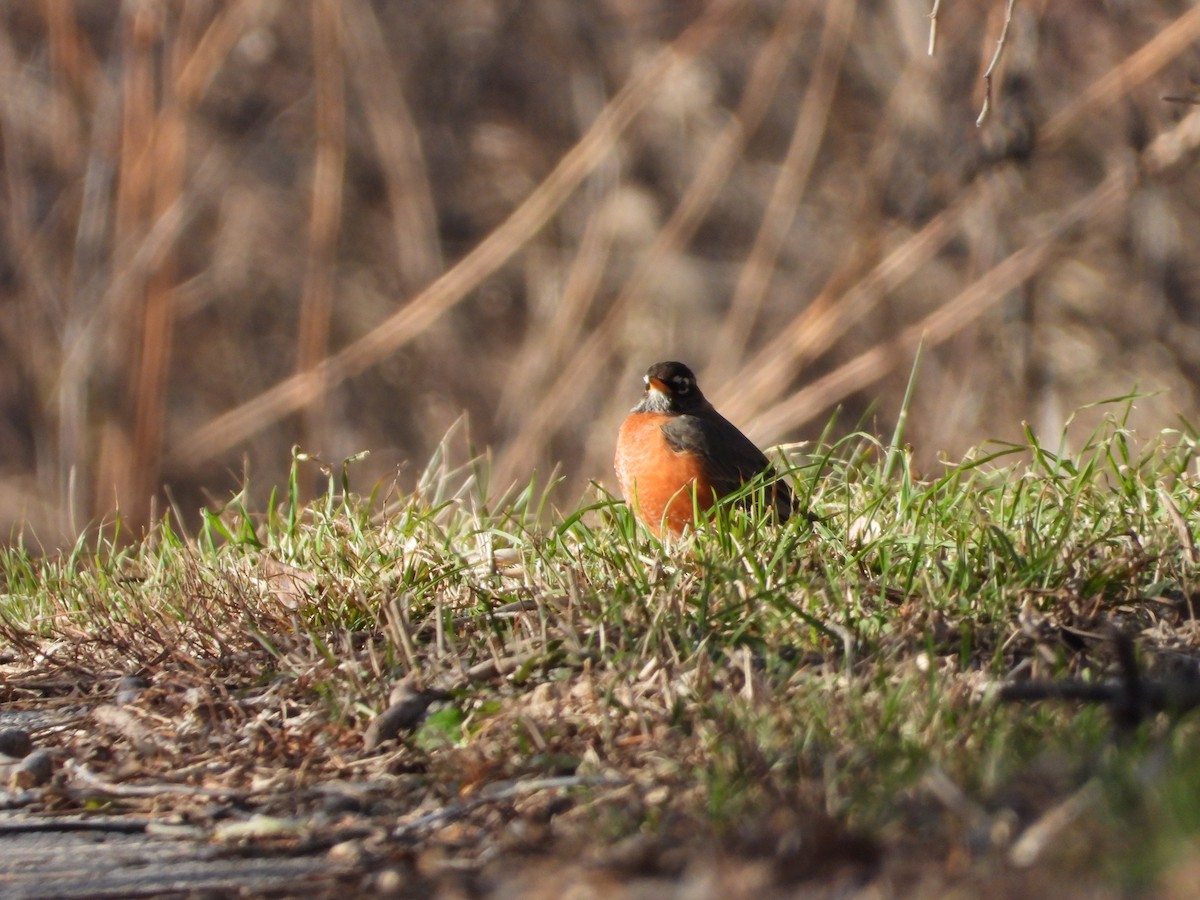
731 458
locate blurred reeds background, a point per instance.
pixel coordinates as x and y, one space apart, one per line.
233 227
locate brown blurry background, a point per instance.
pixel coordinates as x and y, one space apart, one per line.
233 227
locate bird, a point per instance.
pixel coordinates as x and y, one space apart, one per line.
674 441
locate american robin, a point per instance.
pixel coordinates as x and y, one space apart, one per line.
674 440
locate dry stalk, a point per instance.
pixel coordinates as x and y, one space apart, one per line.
494 251
73 67
1133 71
807 134
228 26
400 632
548 344
561 395
856 286
151 190
418 253
325 214
966 307
1182 531
768 375
169 148
135 187
933 26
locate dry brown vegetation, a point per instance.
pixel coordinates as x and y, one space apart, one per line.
231 227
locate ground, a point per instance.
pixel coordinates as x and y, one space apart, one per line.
977 683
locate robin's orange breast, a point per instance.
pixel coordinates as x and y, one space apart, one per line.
656 480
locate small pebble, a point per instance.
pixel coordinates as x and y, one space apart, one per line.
130 687
389 881
34 770
15 742
348 853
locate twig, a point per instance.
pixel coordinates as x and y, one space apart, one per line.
490 668
90 780
408 702
1130 699
933 24
1086 691
951 796
1130 704
987 76
56 825
1029 846
497 794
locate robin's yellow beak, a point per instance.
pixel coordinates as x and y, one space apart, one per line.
656 384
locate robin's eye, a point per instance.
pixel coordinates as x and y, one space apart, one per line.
682 387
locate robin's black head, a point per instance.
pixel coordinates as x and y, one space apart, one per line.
671 388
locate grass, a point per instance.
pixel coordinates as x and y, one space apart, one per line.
813 703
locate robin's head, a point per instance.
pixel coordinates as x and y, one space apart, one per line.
671 388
